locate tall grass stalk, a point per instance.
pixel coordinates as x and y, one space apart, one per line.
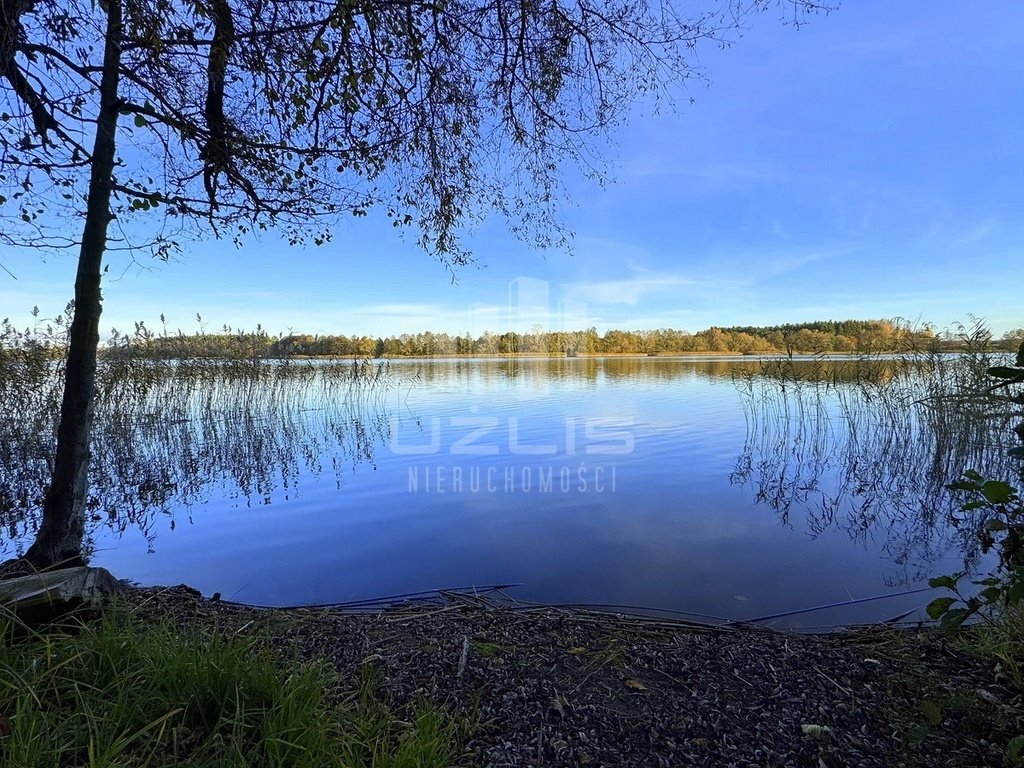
869 443
166 430
122 692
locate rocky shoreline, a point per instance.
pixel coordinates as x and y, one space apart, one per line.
556 687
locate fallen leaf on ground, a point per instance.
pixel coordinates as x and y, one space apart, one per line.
817 731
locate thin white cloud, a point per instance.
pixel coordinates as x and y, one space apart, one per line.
706 178
410 310
256 295
628 291
784 263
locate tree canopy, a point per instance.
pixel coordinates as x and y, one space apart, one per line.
164 116
244 114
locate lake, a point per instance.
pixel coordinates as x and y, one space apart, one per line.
721 488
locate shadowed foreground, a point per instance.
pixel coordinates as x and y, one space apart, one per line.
558 688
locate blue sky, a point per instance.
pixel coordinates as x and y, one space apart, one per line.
867 165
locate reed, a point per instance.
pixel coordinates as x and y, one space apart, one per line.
167 430
869 445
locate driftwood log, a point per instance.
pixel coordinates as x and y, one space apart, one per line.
42 597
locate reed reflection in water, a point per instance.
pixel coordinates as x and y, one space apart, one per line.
169 434
868 446
737 463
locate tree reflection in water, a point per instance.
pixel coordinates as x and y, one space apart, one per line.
865 446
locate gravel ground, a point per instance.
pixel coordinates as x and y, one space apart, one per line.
553 687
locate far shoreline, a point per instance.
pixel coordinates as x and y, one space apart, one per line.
744 356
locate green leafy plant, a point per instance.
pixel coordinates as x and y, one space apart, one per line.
997 600
1002 527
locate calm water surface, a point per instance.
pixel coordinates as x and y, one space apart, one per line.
641 482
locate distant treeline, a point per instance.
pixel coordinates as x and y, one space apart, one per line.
867 336
845 336
840 336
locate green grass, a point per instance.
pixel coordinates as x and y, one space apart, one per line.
1000 640
612 652
938 688
122 693
488 649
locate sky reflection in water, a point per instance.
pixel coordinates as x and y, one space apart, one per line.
653 482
